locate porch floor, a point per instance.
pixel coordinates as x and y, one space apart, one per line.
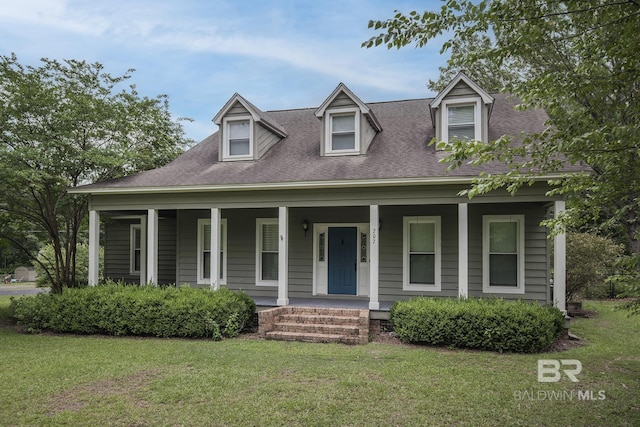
322 302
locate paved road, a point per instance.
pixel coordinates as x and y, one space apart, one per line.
21 289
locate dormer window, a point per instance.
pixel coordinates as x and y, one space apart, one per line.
238 136
461 119
343 132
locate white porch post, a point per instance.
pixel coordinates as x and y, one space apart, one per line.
152 246
559 262
463 250
283 256
374 256
215 248
94 247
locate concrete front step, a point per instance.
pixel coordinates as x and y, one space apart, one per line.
312 337
315 324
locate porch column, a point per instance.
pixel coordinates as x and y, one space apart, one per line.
374 256
152 246
463 250
94 247
283 256
559 262
215 248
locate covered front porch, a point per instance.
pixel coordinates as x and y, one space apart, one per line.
291 268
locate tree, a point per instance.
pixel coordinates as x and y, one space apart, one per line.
578 60
63 124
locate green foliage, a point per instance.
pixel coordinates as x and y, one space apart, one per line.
118 309
580 62
590 260
46 257
487 324
65 124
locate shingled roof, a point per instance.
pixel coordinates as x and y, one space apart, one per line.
400 151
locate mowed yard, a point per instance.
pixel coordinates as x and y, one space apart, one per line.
89 380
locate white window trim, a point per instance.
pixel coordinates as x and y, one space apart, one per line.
329 131
259 223
223 248
226 133
486 221
132 244
433 287
460 102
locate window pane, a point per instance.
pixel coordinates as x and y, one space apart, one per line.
221 265
463 114
270 237
238 147
239 130
136 260
343 123
421 238
422 269
503 237
269 266
462 132
503 270
206 237
206 265
343 142
136 237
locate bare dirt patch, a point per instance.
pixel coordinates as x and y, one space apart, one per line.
78 397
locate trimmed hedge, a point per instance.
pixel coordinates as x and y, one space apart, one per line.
117 309
488 324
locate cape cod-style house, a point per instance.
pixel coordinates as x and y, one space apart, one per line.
347 203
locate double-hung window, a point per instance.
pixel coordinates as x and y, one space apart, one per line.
462 120
503 254
267 252
135 248
204 251
238 137
421 254
343 132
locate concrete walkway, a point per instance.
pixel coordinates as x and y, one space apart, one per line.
21 289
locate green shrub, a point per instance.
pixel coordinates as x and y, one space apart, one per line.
488 324
117 309
590 260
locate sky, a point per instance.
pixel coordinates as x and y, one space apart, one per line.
278 54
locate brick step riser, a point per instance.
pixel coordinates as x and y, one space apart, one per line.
346 312
315 328
315 338
319 319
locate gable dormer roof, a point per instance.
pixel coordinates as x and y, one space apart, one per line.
258 115
364 108
461 77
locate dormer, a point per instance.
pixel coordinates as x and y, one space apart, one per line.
348 124
462 111
246 132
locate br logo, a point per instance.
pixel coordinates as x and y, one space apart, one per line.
550 370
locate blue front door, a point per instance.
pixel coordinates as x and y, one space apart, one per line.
343 260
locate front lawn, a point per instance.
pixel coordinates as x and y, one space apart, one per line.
69 380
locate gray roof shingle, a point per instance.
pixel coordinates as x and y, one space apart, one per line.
399 151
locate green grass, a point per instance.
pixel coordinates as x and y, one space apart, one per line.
69 380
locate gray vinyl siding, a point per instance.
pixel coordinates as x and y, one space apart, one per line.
265 139
237 110
341 101
392 247
117 250
536 247
461 90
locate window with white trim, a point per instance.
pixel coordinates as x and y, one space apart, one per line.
422 253
461 119
238 138
342 132
503 254
135 248
204 251
267 247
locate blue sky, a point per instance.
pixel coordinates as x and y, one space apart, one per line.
278 54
